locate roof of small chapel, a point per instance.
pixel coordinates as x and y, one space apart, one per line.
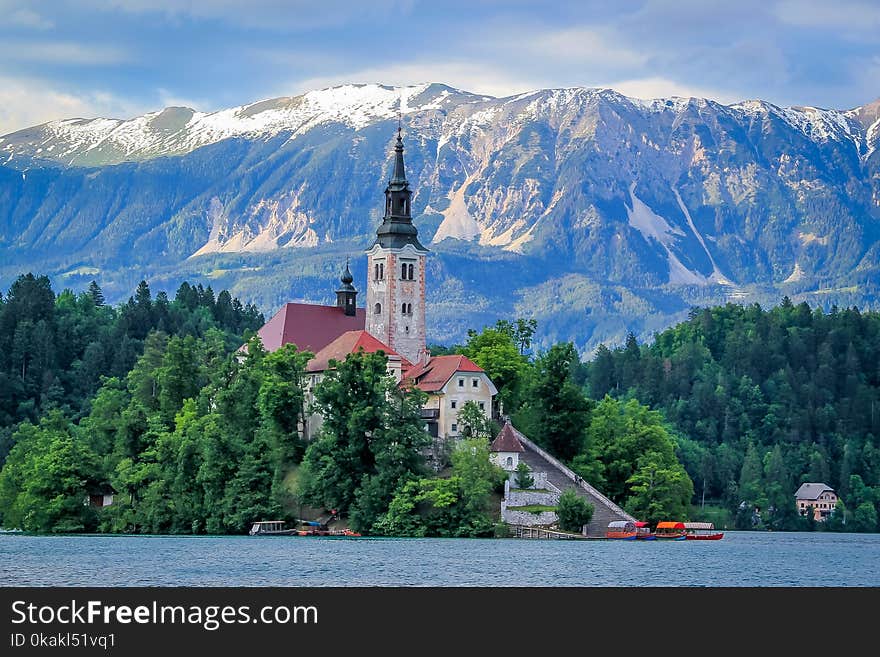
506 441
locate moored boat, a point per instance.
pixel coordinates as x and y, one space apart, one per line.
271 528
671 530
702 531
643 532
622 530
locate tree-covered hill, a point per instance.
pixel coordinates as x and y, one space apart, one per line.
55 350
762 401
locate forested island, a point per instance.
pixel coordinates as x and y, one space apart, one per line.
720 418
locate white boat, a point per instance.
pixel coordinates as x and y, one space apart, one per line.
271 528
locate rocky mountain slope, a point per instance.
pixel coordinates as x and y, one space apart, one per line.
594 212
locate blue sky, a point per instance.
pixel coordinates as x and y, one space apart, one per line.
119 58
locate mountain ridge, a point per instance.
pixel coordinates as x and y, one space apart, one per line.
603 199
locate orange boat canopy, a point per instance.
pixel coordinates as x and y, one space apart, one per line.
670 525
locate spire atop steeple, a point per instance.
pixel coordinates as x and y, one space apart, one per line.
397 228
399 177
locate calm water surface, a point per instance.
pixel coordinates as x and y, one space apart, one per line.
740 559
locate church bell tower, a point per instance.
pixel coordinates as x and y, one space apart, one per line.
396 272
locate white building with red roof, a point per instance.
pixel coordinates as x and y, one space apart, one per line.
393 322
451 382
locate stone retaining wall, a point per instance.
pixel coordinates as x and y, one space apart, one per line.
528 497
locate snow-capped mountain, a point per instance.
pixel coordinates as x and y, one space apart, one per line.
590 198
180 130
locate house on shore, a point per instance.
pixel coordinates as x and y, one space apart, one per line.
821 497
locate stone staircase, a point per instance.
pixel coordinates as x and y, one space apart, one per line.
563 478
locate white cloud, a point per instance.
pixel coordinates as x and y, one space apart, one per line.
467 76
298 14
27 102
578 45
24 17
660 87
61 52
850 16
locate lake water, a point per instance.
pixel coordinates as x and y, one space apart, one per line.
740 559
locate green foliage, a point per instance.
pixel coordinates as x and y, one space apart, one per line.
47 477
556 413
456 506
55 350
660 490
495 350
473 422
524 478
370 443
573 511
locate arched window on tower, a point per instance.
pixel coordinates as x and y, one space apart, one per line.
410 271
381 271
403 271
377 309
403 309
409 309
376 272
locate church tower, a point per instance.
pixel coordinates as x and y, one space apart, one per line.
396 272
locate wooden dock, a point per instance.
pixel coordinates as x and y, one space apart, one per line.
524 531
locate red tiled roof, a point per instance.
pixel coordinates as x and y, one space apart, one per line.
310 327
349 343
432 376
506 441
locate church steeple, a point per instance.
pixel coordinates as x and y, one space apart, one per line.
346 295
396 265
397 229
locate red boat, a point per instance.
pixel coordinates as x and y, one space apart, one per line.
702 531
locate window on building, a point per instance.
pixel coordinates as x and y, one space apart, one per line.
376 272
509 461
411 272
453 404
377 309
406 329
461 383
381 270
409 309
475 383
403 271
454 428
482 406
403 309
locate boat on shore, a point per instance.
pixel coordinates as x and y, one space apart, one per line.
671 530
271 528
621 530
702 531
